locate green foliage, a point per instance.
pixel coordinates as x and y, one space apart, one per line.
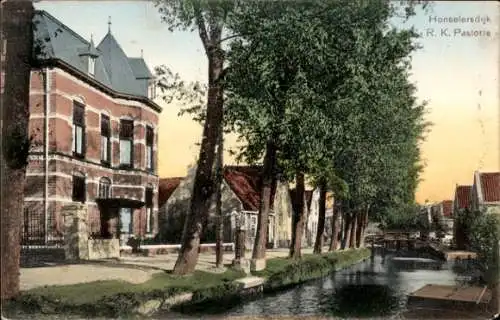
483 232
405 217
283 272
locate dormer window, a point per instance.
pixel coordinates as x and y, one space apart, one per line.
92 66
151 90
88 55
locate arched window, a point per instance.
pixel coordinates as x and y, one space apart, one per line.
104 188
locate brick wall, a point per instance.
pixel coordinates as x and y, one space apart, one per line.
64 90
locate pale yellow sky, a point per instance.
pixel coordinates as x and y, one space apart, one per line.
450 72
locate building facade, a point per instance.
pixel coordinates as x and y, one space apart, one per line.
95 133
486 192
442 214
240 195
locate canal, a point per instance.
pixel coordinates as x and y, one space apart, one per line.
374 288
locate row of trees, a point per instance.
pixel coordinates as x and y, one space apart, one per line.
319 93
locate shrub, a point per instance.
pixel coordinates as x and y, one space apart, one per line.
482 232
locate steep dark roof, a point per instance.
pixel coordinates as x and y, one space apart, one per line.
113 68
118 67
245 181
463 196
490 186
166 187
139 68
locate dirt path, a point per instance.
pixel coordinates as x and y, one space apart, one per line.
80 273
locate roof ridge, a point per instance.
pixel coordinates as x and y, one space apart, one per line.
59 22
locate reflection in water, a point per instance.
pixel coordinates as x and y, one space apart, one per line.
376 287
378 300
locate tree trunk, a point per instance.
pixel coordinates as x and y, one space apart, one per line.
298 222
17 29
318 245
359 228
219 229
347 231
335 229
203 181
363 227
260 244
352 234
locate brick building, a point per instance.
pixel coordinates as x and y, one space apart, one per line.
95 132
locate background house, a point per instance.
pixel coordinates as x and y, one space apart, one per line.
486 192
240 194
313 217
442 218
461 202
95 136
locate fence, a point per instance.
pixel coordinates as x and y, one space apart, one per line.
38 246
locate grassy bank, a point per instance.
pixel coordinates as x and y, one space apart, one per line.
118 298
283 272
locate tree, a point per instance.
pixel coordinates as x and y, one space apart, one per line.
269 104
334 90
219 233
209 19
17 31
318 243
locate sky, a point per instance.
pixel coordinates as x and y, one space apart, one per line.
456 72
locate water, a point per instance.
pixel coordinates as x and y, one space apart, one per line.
381 284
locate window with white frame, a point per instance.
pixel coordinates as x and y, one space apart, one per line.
104 188
149 148
149 209
91 66
253 226
105 140
126 221
78 129
126 143
152 89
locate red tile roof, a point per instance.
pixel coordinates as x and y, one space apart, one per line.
463 196
166 187
490 186
245 181
447 208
